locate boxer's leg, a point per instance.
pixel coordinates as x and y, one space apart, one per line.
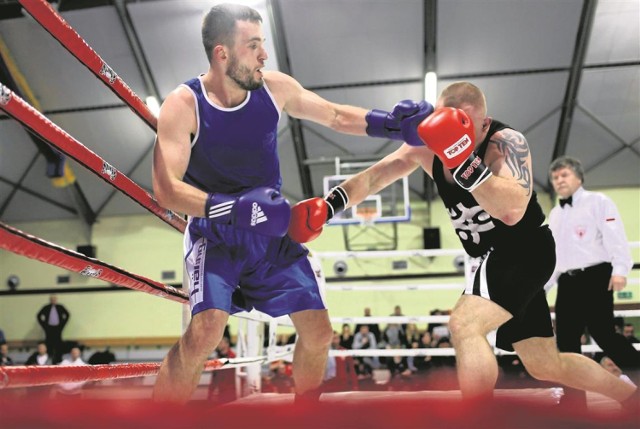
314 334
472 319
181 368
542 360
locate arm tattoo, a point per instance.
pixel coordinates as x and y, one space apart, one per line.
513 146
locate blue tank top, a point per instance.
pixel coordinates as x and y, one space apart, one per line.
234 149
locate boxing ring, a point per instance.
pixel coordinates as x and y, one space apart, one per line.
511 408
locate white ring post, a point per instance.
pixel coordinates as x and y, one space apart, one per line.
254 348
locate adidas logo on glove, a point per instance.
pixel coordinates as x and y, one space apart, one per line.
257 215
248 211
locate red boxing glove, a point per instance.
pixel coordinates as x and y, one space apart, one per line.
307 219
449 133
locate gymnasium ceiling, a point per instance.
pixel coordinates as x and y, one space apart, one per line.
566 72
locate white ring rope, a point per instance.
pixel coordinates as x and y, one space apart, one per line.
394 287
435 319
284 351
425 253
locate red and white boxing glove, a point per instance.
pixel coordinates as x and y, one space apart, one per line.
449 133
309 216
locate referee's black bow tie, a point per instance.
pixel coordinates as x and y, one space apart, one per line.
566 201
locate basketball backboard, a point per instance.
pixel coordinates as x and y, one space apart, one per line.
389 205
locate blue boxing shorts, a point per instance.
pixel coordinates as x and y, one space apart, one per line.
237 270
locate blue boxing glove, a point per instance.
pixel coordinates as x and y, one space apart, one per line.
261 210
401 123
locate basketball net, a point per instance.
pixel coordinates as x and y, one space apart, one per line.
367 215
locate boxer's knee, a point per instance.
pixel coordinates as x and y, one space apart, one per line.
314 329
461 326
204 332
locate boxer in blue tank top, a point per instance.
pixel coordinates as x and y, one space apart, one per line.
483 171
216 161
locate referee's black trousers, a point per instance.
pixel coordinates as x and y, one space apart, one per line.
584 301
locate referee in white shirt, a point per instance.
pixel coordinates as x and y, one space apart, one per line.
593 261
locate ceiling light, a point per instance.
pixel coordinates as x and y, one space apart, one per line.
431 87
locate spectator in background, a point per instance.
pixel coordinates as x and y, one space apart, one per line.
5 359
629 334
411 335
618 324
393 336
102 358
40 356
593 262
373 327
52 318
2 337
412 340
438 330
397 312
366 340
444 361
74 359
423 363
346 337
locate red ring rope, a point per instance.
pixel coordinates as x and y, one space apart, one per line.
16 241
24 113
36 375
42 12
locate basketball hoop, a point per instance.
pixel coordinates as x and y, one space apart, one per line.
367 215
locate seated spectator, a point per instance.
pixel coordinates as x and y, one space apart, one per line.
5 359
40 357
629 334
423 363
74 359
102 358
438 330
346 337
618 324
397 312
373 327
366 340
398 366
412 335
448 361
394 337
3 339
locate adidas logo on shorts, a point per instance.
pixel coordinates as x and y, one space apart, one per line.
257 215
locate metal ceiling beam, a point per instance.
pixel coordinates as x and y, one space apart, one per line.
58 169
468 76
136 48
609 131
573 83
282 53
19 187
